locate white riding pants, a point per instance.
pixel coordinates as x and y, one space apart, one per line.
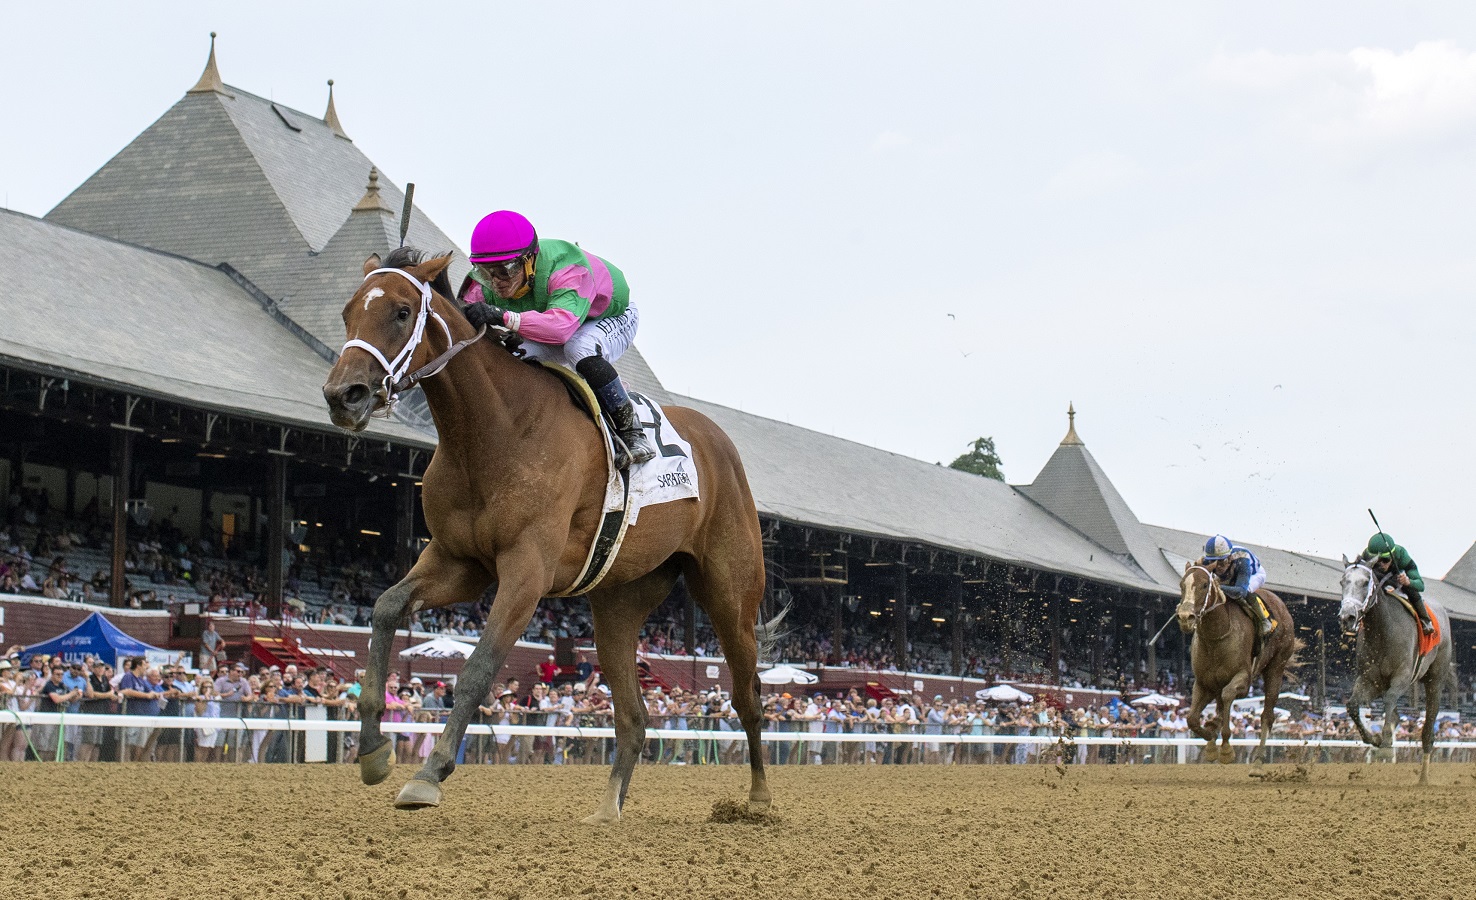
607 337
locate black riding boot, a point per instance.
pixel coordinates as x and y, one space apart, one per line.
1421 611
616 403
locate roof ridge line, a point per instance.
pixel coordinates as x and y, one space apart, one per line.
274 310
109 238
835 437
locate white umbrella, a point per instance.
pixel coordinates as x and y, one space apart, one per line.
1156 699
787 674
1003 693
439 648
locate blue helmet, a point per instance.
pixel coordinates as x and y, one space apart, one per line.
1218 548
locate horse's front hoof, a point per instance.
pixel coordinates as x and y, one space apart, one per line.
601 817
374 766
418 794
759 807
1227 755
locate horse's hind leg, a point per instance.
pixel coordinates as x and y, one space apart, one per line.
619 613
1388 750
730 590
1427 733
1272 679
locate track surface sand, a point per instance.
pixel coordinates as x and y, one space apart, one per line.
223 831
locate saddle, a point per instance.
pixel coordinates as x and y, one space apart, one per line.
1427 642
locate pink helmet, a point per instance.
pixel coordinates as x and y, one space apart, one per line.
502 235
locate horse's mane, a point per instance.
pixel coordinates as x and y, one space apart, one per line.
406 257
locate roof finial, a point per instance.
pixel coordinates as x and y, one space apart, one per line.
209 82
372 201
330 118
1071 437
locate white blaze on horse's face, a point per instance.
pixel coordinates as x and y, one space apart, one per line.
373 295
1185 610
1357 587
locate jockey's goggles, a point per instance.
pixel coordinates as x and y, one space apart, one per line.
501 269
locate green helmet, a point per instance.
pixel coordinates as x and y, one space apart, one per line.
1380 545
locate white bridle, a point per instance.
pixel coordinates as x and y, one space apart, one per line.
1210 602
1361 607
396 369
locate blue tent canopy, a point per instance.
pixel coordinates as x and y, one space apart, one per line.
95 635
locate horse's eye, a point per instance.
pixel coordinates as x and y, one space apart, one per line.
403 313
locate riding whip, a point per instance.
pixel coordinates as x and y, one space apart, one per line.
1153 640
1379 527
405 213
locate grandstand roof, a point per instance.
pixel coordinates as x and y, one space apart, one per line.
225 176
810 478
155 323
1070 520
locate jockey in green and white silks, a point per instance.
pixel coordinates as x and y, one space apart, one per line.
1385 556
1241 575
571 307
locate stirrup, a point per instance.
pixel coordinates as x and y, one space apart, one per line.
1426 626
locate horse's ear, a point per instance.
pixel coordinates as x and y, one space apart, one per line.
1346 564
371 263
428 270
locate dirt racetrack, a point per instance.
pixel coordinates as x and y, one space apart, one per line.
226 831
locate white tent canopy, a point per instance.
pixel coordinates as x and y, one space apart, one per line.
439 648
787 674
1003 693
1156 699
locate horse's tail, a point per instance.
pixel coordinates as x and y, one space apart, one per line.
1295 660
768 634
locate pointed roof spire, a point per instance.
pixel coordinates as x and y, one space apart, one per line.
372 201
330 117
209 82
1071 437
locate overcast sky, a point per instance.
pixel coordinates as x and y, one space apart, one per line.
1238 236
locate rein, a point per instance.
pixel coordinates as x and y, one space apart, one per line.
397 377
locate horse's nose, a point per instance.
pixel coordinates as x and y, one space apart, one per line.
1186 622
349 405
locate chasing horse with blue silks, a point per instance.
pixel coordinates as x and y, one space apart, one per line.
517 494
1395 651
1232 644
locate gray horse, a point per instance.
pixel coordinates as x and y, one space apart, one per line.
1388 664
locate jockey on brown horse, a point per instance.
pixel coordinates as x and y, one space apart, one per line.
1240 575
571 307
514 495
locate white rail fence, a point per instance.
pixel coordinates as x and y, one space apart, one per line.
314 725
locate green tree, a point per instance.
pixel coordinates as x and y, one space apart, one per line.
980 460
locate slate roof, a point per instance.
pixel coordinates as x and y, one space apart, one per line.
806 477
199 337
1073 487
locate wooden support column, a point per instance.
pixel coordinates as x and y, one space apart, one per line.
122 477
899 620
405 524
1151 627
276 532
1055 624
837 626
958 642
689 619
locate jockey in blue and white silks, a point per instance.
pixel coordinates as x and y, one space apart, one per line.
1241 575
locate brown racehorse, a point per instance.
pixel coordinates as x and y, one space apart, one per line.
513 495
1221 656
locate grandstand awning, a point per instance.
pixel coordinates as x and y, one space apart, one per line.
97 636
